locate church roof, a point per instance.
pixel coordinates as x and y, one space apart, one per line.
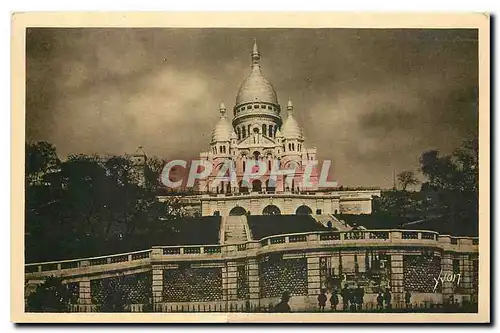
256 87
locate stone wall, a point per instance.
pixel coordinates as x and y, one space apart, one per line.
253 275
350 202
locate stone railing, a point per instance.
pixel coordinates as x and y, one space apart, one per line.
310 240
129 257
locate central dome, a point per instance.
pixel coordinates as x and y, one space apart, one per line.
256 88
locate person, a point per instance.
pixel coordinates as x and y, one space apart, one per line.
345 297
283 305
408 299
353 299
387 298
334 300
380 301
360 295
322 300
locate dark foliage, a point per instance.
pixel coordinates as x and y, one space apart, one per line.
447 200
50 296
90 205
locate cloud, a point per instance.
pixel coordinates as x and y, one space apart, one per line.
370 100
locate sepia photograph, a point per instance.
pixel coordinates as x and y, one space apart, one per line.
256 171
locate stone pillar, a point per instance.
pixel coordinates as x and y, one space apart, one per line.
84 296
224 283
232 292
157 287
253 282
313 278
255 207
397 288
447 269
466 277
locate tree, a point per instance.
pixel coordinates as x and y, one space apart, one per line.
40 158
458 171
407 178
153 170
50 296
452 188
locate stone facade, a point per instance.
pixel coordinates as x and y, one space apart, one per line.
334 202
250 276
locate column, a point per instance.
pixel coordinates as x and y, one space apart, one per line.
84 296
397 288
232 294
466 277
313 278
224 283
157 287
447 269
253 283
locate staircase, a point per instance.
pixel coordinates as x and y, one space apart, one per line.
336 223
235 229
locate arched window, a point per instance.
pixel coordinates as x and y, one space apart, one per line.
238 133
289 146
269 166
303 210
248 130
244 165
264 129
293 146
271 210
237 211
243 130
270 131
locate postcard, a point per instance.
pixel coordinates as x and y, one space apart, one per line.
250 167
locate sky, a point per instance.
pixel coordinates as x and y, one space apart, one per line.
370 100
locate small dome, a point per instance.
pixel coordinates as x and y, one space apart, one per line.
222 131
291 128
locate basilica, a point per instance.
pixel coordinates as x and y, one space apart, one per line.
259 131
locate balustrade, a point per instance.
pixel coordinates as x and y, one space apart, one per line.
192 250
171 250
379 235
297 238
428 236
212 249
309 237
410 235
330 236
277 240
